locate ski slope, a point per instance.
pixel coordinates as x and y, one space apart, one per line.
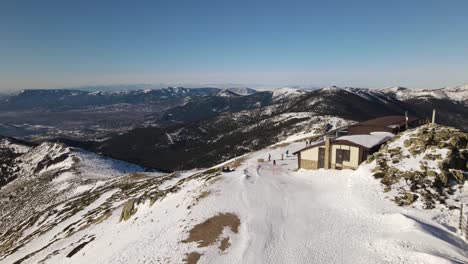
286 216
327 217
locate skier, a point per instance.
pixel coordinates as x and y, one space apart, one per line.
274 162
269 157
287 153
282 156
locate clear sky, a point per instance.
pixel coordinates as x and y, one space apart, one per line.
367 43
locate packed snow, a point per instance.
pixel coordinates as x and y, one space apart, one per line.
286 216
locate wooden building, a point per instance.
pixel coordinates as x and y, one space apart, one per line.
348 147
346 152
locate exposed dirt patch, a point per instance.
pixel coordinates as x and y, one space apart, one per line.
202 195
224 244
192 257
281 145
208 232
236 163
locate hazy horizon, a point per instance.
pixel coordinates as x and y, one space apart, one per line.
258 87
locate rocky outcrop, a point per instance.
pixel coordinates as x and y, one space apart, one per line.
128 210
428 162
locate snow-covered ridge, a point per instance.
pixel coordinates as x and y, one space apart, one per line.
226 93
241 90
5 143
287 93
59 159
456 93
265 213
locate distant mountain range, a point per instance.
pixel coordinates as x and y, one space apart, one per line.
207 125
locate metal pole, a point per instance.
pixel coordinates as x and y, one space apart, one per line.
433 116
406 120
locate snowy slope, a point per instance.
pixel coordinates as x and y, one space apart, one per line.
286 93
47 175
57 157
242 90
259 213
455 93
6 143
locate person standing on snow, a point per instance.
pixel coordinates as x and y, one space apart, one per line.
269 157
274 162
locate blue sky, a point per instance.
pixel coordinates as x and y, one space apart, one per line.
367 43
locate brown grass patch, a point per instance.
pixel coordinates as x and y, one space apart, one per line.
282 145
214 180
192 257
236 163
260 160
96 221
208 232
224 244
202 195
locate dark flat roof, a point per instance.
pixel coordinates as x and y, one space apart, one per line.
383 121
386 121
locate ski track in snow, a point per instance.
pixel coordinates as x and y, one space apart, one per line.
326 217
322 216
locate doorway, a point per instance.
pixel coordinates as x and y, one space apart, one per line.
321 158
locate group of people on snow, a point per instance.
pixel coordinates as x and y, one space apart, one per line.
282 156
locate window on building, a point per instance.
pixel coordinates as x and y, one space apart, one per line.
342 155
346 154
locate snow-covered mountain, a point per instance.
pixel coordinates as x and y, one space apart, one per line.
52 99
215 125
286 93
34 114
53 160
258 213
455 93
242 90
212 129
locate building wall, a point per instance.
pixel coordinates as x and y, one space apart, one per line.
310 154
308 164
309 159
353 156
